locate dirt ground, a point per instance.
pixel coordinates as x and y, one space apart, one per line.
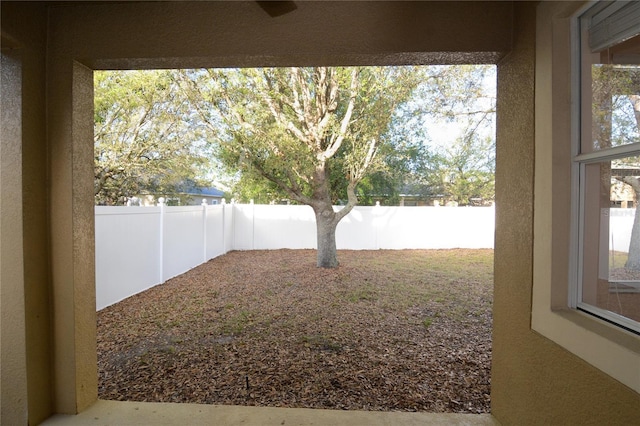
388 330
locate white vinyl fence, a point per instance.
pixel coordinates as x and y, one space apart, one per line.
140 247
263 227
620 225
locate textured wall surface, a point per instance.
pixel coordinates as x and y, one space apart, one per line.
12 309
534 381
25 36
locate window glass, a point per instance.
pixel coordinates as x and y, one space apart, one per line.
611 237
611 97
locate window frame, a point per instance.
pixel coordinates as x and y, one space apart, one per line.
581 160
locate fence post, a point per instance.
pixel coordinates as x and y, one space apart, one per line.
376 223
253 225
161 204
204 230
224 228
233 224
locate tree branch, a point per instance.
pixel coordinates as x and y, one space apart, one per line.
296 195
344 125
280 117
632 181
352 201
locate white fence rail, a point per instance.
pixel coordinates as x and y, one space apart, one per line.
140 247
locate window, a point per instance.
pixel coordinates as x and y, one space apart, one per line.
612 349
607 165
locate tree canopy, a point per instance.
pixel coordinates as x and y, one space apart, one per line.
412 154
145 138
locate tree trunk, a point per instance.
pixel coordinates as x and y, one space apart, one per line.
326 225
633 259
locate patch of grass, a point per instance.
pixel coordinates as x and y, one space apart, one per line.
459 313
237 323
169 349
321 342
427 322
617 259
365 293
315 317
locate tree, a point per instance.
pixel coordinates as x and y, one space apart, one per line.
444 137
467 166
145 140
300 130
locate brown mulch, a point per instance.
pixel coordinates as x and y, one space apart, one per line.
402 330
624 274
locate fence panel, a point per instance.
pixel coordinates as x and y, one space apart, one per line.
279 226
183 240
357 230
229 219
620 225
127 252
215 229
243 215
436 227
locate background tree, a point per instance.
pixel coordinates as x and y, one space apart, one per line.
467 169
443 138
145 138
296 130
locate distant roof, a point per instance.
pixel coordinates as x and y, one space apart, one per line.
210 191
190 187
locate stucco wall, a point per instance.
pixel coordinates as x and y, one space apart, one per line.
533 380
13 363
26 243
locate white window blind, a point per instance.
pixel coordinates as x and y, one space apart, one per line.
612 23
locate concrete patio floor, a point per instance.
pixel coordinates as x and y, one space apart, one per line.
147 413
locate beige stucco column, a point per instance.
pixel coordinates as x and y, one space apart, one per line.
13 331
70 118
